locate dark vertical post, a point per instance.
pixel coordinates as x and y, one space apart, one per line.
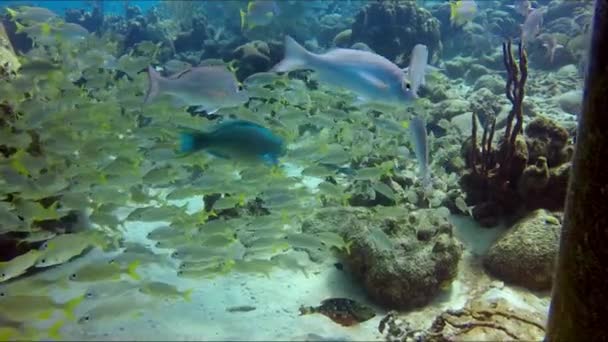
579 309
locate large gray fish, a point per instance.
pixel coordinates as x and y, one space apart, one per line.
369 75
531 26
208 87
419 140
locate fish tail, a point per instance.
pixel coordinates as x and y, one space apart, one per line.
296 56
132 270
71 305
11 12
188 295
154 79
243 19
54 330
190 142
20 27
306 310
453 8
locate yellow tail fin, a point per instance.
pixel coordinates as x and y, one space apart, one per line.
188 295
453 8
46 314
54 330
70 306
132 270
11 12
243 17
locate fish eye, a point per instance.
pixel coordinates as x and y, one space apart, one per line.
408 86
73 276
3 275
180 272
43 261
89 295
2 294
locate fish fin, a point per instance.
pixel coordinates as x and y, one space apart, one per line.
154 79
243 19
453 13
12 13
20 27
46 29
347 246
54 330
305 310
70 306
188 295
46 314
218 154
296 57
190 142
209 111
132 270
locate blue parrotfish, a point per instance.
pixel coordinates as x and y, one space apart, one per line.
238 140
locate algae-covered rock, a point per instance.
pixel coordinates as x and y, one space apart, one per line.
402 260
343 39
253 57
393 28
546 138
492 82
525 254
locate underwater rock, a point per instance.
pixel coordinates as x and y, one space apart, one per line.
475 71
403 261
570 102
545 138
253 57
343 39
494 83
458 66
486 104
392 29
194 38
496 315
333 25
525 254
450 108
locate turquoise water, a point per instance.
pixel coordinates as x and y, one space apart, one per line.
281 170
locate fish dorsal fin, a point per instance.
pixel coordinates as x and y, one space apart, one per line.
376 82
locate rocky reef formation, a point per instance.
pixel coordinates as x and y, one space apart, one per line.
403 261
525 255
492 316
526 171
392 29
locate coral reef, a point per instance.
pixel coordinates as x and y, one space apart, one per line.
526 253
392 29
403 261
252 57
518 173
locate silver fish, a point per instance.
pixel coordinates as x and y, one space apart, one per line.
418 67
531 26
367 74
419 140
522 7
208 87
